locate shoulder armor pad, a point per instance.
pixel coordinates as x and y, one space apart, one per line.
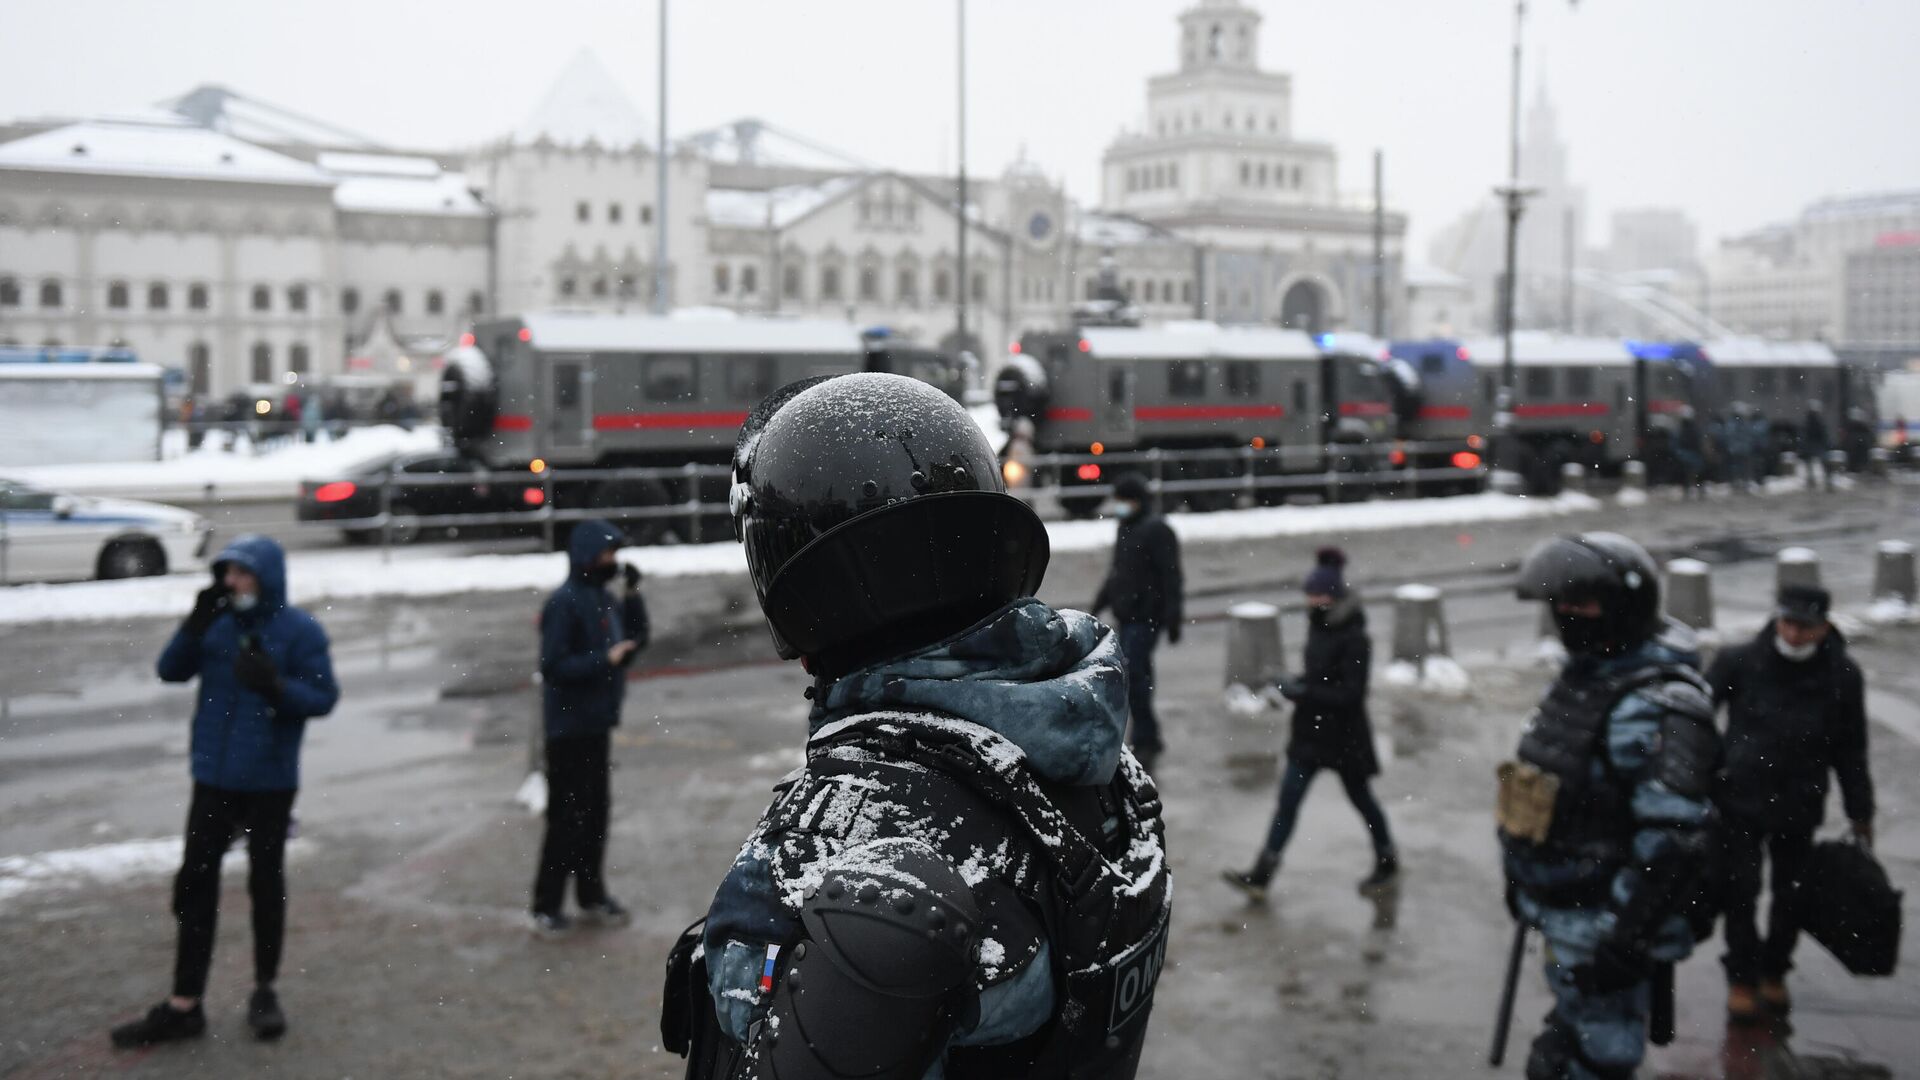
885 974
1689 744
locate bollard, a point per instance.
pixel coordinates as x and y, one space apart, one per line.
1796 566
1419 627
1690 593
1573 477
1893 571
1254 658
1879 462
1633 476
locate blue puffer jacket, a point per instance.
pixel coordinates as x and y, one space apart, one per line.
581 621
242 741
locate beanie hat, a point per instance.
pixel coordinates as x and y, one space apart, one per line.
1132 487
1328 576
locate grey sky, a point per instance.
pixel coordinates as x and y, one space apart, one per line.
1738 110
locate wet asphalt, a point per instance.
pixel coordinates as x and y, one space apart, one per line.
405 951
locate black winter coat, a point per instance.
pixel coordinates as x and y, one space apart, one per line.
1331 728
1788 726
1145 584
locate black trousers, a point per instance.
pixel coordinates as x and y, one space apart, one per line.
1748 957
578 802
213 819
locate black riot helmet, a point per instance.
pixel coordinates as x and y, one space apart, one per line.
1603 567
874 516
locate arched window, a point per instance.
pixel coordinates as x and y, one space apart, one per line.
349 301
262 362
392 301
582 211
9 292
50 293
158 296
117 295
906 286
1296 176
749 280
437 303
1246 174
1146 292
613 213
942 285
200 368
829 283
599 292
646 214
869 283
197 296
297 358
476 302
568 287
296 298
1260 174
790 282
262 298
722 279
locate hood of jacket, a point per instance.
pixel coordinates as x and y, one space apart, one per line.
1051 682
589 540
262 557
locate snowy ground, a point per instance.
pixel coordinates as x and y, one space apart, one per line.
240 472
318 578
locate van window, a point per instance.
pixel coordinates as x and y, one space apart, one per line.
1763 381
1117 387
1187 379
749 378
670 378
1580 383
1243 379
1433 363
566 386
1300 395
1539 382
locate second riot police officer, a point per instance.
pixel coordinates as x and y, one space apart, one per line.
1604 817
967 877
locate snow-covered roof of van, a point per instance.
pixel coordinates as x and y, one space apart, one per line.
111 370
1187 340
1545 349
162 149
1755 352
693 332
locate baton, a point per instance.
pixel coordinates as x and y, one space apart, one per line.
1660 1025
1503 1020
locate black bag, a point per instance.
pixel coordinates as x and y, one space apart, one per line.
1849 906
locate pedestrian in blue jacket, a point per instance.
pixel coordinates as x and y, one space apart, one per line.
588 638
264 672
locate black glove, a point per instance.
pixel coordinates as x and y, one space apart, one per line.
1173 632
632 574
1513 902
255 670
1290 687
1614 967
206 607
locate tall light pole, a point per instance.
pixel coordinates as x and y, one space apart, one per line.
962 284
660 183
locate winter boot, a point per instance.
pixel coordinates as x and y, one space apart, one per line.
264 1015
1386 873
1743 1006
550 926
608 912
1254 882
1773 995
163 1023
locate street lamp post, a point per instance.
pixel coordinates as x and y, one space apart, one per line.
961 282
660 182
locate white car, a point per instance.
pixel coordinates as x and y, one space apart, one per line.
47 536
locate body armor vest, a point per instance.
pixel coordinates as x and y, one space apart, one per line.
1566 738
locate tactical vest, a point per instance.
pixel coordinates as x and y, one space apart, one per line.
1090 861
1566 738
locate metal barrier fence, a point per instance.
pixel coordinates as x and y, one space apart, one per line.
1336 471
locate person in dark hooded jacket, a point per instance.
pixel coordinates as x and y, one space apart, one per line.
264 671
588 639
1331 728
1146 590
1796 715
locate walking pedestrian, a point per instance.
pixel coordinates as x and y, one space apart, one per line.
588 639
1814 444
1331 729
264 671
1146 590
1604 816
1796 715
1689 453
1737 437
967 879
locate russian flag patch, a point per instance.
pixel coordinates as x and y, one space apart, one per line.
766 972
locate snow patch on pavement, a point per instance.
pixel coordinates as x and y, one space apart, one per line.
99 864
317 578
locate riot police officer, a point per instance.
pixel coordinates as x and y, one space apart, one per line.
967 877
1604 817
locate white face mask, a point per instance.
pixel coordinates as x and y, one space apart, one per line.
244 601
1799 654
1125 509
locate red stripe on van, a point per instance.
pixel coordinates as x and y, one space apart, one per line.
513 422
1580 408
1365 408
1446 412
1209 412
1070 416
1665 405
639 421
